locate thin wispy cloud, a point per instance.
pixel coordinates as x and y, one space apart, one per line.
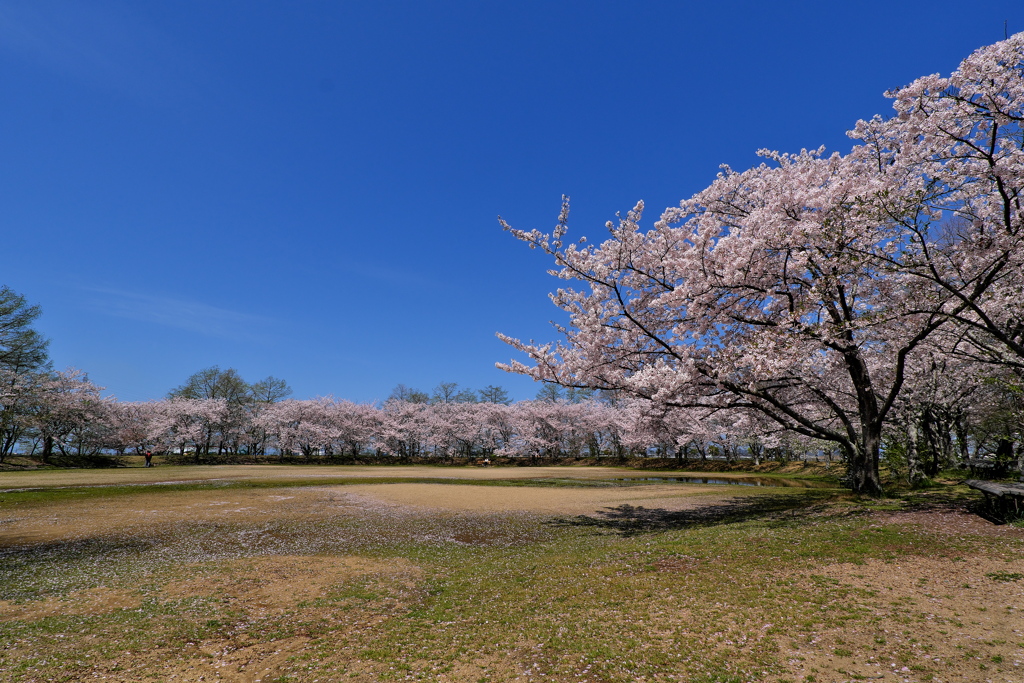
390 275
100 45
192 316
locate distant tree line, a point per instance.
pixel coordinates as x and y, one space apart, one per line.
952 415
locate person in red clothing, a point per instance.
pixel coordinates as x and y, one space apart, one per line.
149 459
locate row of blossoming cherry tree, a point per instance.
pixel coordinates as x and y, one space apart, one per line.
63 413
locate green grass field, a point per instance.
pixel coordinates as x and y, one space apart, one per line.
217 581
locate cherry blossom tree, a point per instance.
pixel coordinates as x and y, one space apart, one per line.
354 426
19 393
300 425
186 424
748 296
130 426
801 288
952 166
69 414
498 427
405 430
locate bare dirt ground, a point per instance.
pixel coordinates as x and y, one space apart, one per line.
964 616
952 612
270 587
92 601
966 613
146 513
292 473
263 588
278 586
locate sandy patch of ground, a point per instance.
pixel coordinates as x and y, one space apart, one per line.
247 664
941 619
148 512
270 585
549 501
93 601
267 590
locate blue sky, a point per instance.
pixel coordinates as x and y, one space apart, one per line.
310 190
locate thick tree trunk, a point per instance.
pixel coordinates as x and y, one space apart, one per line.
1004 453
755 450
863 464
914 474
931 429
962 443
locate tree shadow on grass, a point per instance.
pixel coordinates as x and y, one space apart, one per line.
940 499
778 510
947 499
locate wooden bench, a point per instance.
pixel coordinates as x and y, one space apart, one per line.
987 468
1002 499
